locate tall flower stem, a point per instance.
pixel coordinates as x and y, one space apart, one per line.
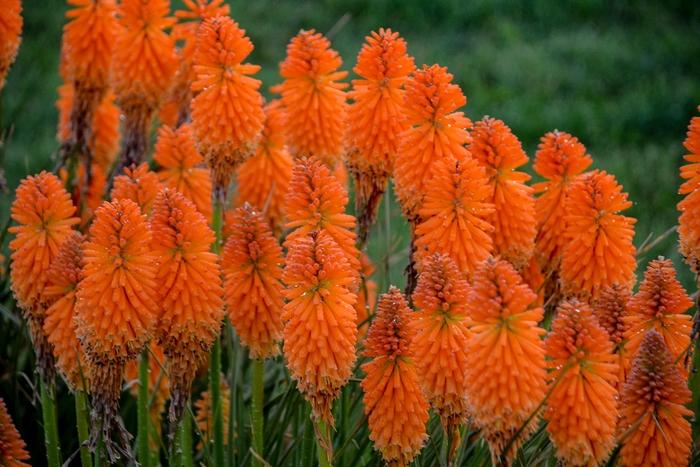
142 411
82 416
48 410
323 443
258 368
215 360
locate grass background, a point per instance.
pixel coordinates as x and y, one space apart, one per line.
622 76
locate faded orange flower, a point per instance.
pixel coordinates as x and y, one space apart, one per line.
689 220
395 406
204 414
610 309
366 296
13 450
10 36
139 184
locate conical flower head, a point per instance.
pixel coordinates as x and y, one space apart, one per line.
505 366
190 291
263 180
599 251
653 408
44 213
500 153
313 98
560 158
610 309
316 201
395 406
64 274
138 184
204 414
455 213
180 166
440 342
660 303
227 113
320 330
10 31
116 309
13 450
689 220
436 131
582 407
253 282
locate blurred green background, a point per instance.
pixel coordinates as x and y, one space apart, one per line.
622 76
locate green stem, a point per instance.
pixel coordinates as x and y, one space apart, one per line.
185 435
99 452
257 409
323 443
48 410
307 444
82 415
142 411
215 360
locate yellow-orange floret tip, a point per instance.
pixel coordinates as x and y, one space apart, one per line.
253 286
581 409
319 318
313 98
654 423
13 449
10 36
138 184
436 131
689 207
190 291
395 406
505 365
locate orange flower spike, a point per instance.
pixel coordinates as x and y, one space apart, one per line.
504 352
204 416
654 413
689 207
560 158
533 277
440 343
227 113
320 330
660 303
436 132
180 166
44 213
313 98
599 251
263 179
138 184
190 291
316 200
500 153
395 406
10 36
582 407
610 309
375 118
64 274
13 450
253 283
455 213
118 259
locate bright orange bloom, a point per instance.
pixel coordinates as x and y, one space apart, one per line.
610 309
560 158
44 215
366 296
661 303
263 179
599 251
582 408
253 282
116 308
505 366
394 403
10 31
440 343
533 277
180 166
376 119
500 153
316 201
190 291
320 330
204 414
654 413
454 216
64 274
689 220
313 98
13 450
436 132
138 184
227 112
